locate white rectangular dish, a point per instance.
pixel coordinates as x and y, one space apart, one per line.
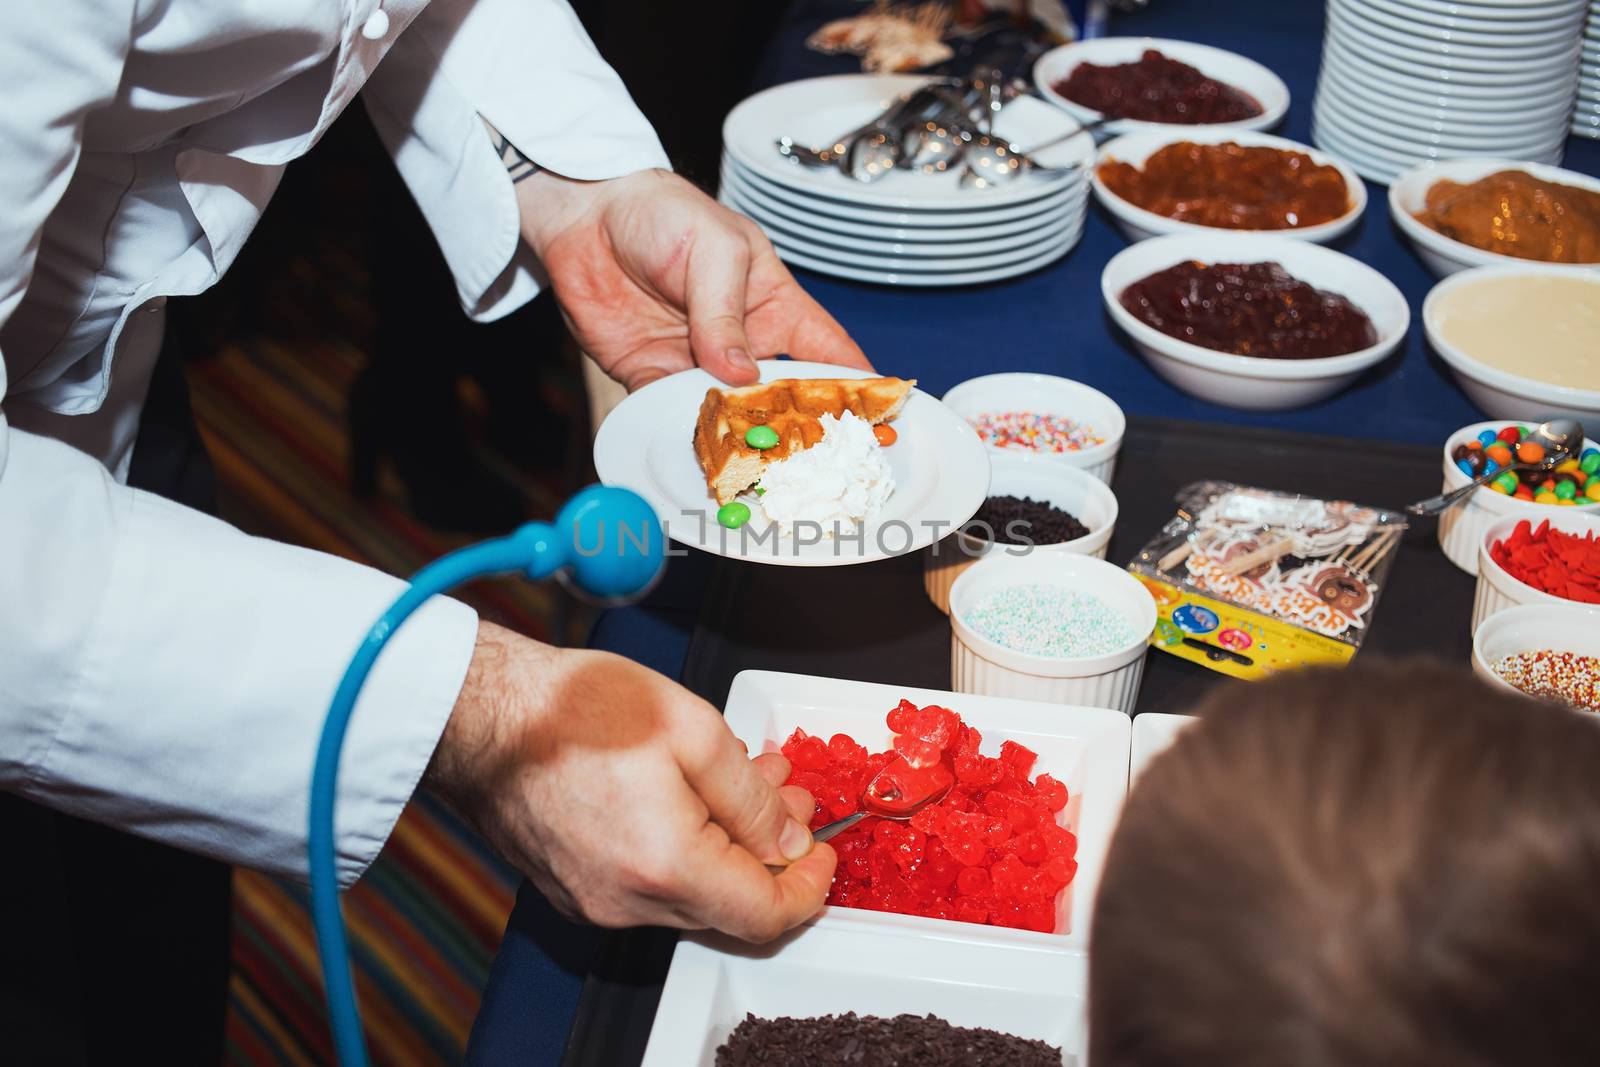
1087 749
715 981
1153 734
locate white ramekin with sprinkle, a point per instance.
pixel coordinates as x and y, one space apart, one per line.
1043 415
1061 628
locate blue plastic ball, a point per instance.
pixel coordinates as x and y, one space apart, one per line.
610 541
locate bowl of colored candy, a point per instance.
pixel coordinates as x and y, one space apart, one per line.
1548 651
1040 414
1493 446
1034 505
1050 626
1556 561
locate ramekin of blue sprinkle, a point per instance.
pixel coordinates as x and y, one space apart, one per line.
1060 628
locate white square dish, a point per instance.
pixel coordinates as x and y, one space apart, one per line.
1153 734
1087 749
715 981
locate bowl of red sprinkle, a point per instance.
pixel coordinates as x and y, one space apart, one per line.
1556 561
1043 415
1547 651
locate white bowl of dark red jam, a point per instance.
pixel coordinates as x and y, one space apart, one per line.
1256 383
1140 223
1443 255
1017 398
1462 527
1076 492
1268 90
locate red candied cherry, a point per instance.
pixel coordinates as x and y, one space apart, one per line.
963 836
909 850
1031 849
967 741
939 869
1058 840
996 832
931 724
978 771
899 717
1052 792
858 868
971 911
844 750
939 910
806 753
972 881
915 751
929 820
1019 759
1061 869
1040 917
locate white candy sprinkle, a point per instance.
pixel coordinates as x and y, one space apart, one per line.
1050 620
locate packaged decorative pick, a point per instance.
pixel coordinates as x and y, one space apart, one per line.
1251 581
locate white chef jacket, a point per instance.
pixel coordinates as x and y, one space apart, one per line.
160 670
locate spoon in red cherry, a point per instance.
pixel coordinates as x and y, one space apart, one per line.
898 791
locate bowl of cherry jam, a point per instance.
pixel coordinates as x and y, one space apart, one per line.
1150 83
1254 321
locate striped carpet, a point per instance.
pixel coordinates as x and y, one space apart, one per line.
425 920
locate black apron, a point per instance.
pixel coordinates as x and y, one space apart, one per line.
114 949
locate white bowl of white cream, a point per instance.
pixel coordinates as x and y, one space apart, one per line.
1522 339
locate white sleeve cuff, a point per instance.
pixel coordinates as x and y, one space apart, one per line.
528 67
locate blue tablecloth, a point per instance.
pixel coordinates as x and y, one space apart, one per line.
1051 321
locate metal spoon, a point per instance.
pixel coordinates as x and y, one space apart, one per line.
874 796
992 162
1560 438
868 152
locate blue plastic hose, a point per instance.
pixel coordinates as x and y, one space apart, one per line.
608 541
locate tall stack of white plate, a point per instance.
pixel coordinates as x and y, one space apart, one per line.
1405 81
1586 118
907 228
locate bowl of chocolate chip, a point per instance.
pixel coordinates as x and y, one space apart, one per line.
1033 505
1253 321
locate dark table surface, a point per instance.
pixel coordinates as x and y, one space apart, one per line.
1382 437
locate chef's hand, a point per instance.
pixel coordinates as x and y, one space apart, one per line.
655 277
624 797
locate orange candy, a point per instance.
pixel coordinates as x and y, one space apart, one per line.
1530 451
885 434
1501 455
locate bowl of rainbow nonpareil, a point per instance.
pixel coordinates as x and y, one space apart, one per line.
1061 628
1045 416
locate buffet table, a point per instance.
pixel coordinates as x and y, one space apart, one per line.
1376 443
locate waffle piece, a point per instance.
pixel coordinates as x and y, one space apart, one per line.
793 407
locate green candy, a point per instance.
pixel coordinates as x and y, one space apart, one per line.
733 514
761 437
1566 490
1590 463
1523 431
1507 481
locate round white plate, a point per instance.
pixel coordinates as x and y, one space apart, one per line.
941 474
1342 84
945 217
889 263
1434 145
1398 128
1470 23
1227 67
752 191
1463 122
1427 85
1420 35
963 255
909 279
1417 64
1493 10
818 110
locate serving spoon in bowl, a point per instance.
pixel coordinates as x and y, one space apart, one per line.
1561 439
889 795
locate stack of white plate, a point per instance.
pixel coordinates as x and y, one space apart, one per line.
1406 81
1586 119
907 228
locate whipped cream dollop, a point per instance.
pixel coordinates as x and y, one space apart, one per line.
841 480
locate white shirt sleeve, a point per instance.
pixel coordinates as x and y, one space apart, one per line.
528 67
159 670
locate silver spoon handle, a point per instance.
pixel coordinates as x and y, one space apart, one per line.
1444 501
826 833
